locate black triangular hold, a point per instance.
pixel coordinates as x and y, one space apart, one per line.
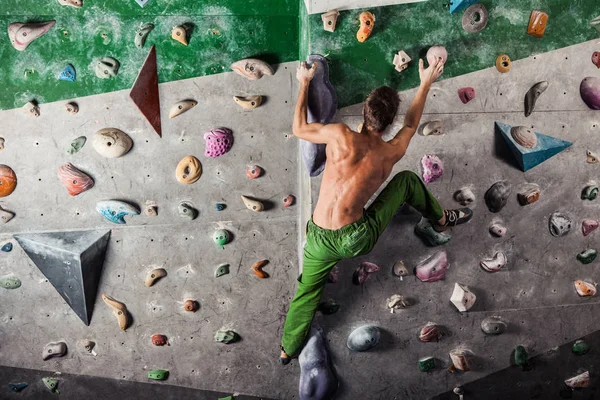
72 262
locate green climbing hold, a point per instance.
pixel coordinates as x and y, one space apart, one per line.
226 398
587 256
158 374
221 237
222 269
581 347
426 364
51 384
225 336
329 307
520 357
10 282
76 145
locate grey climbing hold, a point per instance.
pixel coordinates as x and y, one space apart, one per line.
106 67
142 34
493 325
76 145
497 195
226 336
559 224
532 95
317 378
221 270
464 196
364 338
10 282
57 349
186 211
475 18
51 384
435 128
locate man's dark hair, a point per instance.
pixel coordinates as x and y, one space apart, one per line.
380 108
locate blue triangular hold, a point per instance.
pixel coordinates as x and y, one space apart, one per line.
457 5
142 3
67 74
546 147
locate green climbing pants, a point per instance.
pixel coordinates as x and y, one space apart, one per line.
324 248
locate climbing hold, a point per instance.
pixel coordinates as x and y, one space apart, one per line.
159 340
107 67
71 3
581 347
401 61
497 195
367 22
429 333
495 263
328 307
585 289
1 143
587 256
186 211
433 268
433 128
435 53
363 338
179 33
17 387
524 136
10 282
424 229
188 170
396 302
590 192
595 23
466 94
221 270
158 374
493 325
433 168
503 63
464 196
334 274
588 226
596 58
88 346
537 23
254 171
112 142
8 180
475 18
579 381
317 377
221 237
220 206
57 349
460 359
590 92
181 107
142 34
329 20
252 204
151 209
289 200
74 180
218 142
559 224
144 92
252 68
399 269
528 196
530 99
462 298
51 384
67 74
115 210
363 271
155 275
191 305
257 269
7 247
520 356
119 310
226 336
457 5
22 34
31 109
426 364
248 103
5 216
72 108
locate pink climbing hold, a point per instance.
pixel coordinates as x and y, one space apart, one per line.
596 58
363 272
433 168
434 268
588 226
466 94
436 52
218 142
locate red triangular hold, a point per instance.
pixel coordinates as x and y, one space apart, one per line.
144 92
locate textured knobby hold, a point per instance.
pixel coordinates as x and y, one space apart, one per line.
72 108
588 226
497 196
524 136
532 95
252 69
289 200
142 34
17 387
528 196
590 92
8 180
495 263
55 349
433 268
462 298
187 211
107 67
154 276
329 307
437 52
5 215
252 204
221 237
503 63
115 211
119 310
158 374
257 269
587 256
435 128
559 224
22 34
7 247
74 180
10 282
537 23
317 378
466 94
159 340
596 59
426 364
464 196
424 229
221 270
429 333
188 170
396 302
579 381
218 142
67 74
460 359
329 20
363 338
581 347
363 271
399 269
179 34
51 384
493 325
254 171
590 192
585 289
248 103
226 336
181 107
401 61
475 18
71 3
367 22
191 306
31 109
112 142
520 356
433 168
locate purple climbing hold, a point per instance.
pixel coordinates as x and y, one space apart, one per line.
322 105
363 272
590 92
218 142
433 168
317 378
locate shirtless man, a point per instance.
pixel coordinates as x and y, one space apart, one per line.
358 163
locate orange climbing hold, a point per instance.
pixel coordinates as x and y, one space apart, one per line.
537 23
367 21
8 180
503 63
257 269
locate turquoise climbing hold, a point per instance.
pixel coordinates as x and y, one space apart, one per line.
67 74
7 248
220 206
457 5
221 237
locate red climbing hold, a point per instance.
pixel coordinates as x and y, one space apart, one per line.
466 94
596 58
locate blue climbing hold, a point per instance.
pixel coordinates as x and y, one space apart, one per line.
220 206
17 387
67 74
115 210
7 247
527 158
457 5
